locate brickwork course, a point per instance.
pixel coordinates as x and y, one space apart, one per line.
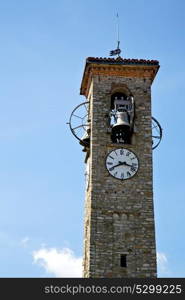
119 214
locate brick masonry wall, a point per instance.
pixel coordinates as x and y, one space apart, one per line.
119 215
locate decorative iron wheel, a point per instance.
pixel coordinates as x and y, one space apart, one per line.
156 133
78 121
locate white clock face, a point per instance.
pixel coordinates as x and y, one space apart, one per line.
122 163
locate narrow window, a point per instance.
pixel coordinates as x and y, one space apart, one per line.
123 260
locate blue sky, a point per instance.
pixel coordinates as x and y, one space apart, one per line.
42 54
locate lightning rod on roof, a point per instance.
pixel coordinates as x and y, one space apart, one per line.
117 51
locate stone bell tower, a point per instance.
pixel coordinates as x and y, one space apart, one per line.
119 232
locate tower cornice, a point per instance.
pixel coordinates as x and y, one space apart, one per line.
118 67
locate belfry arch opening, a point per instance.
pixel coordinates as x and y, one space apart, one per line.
122 116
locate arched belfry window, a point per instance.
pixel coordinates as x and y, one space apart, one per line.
122 114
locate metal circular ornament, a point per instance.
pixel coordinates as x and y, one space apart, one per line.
156 133
78 121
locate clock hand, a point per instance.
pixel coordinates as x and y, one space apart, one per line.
125 163
120 164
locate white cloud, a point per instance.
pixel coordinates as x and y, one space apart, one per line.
60 263
162 264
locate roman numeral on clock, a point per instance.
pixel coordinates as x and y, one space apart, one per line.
133 169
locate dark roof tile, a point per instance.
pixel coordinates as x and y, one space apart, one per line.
120 60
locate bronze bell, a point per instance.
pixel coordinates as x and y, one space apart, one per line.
121 130
122 119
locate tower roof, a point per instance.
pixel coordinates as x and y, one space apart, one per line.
119 66
121 61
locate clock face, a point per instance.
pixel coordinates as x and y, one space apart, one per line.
122 163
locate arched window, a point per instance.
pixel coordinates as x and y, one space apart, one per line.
122 113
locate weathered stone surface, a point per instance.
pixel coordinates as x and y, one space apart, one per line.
119 216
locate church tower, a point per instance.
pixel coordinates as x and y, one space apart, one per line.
119 229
